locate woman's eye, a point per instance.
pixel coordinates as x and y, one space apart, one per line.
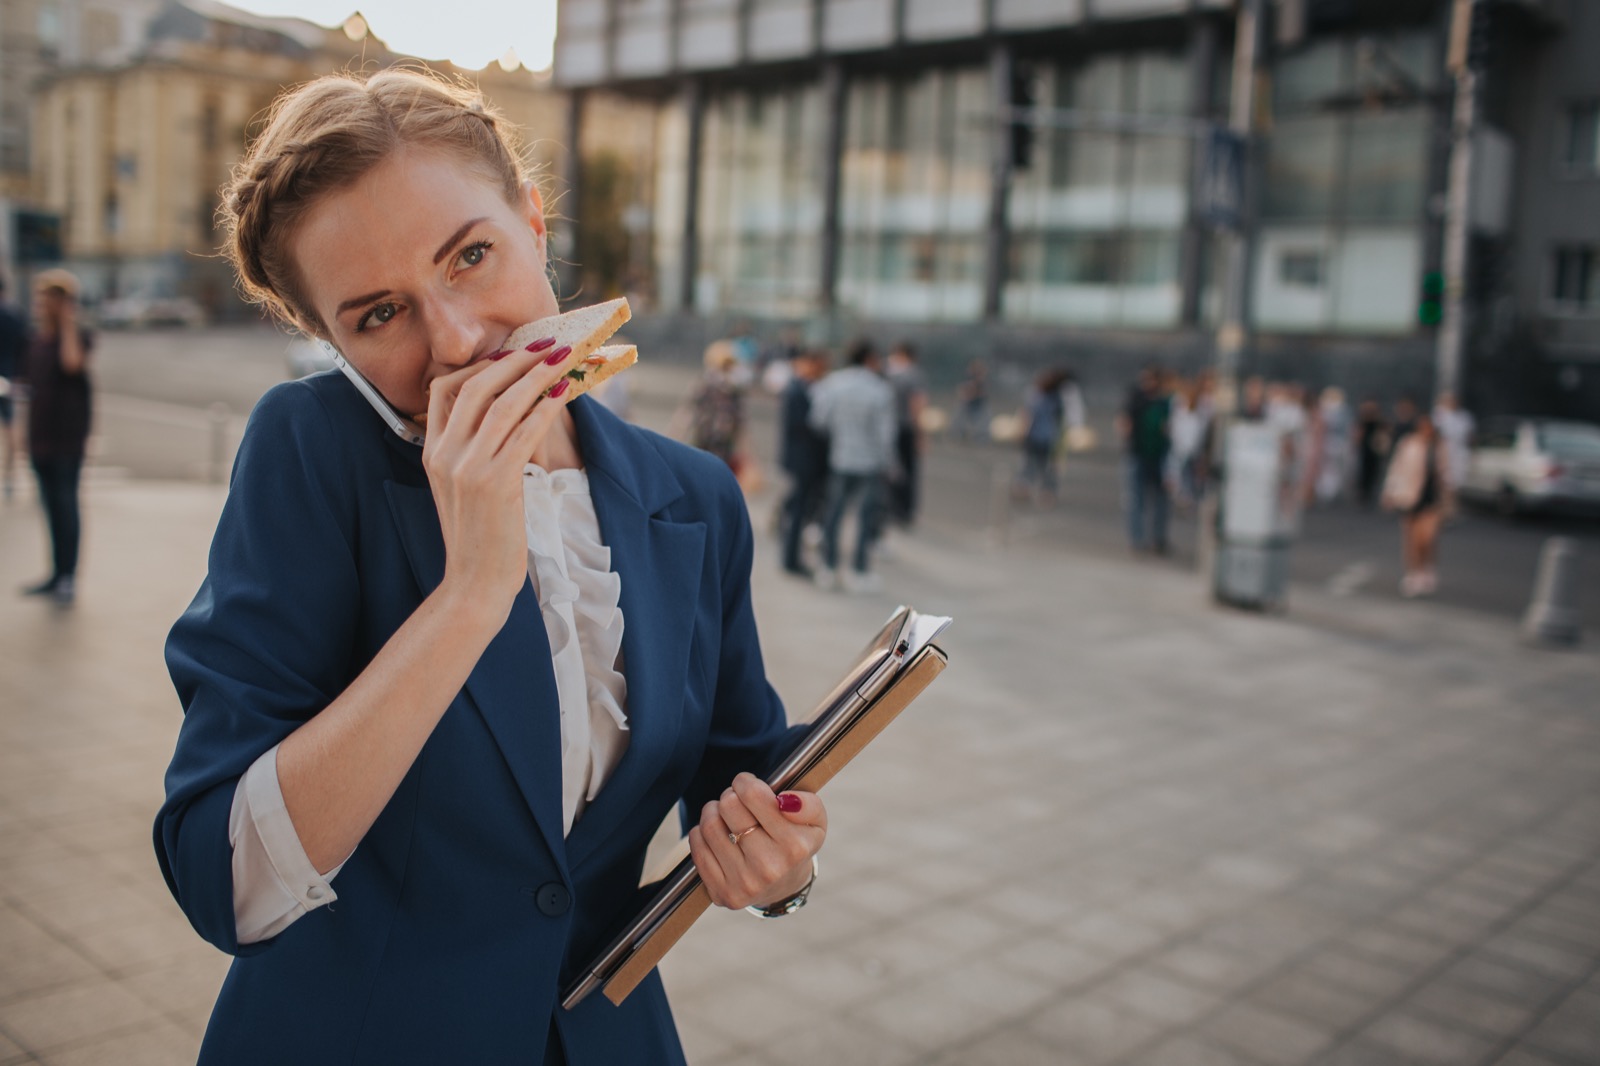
378 315
473 254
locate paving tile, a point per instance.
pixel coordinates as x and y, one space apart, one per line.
1326 1006
1267 1036
1501 980
1539 956
1364 1052
1424 1041
1060 964
1524 1057
1146 991
1209 966
1005 1047
36 960
73 1015
1572 1030
1355 972
1456 1003
1095 1028
1114 935
953 1006
159 1044
1191 1051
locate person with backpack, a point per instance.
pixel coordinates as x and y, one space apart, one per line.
1145 426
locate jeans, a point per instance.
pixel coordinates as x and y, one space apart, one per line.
1147 504
804 500
842 489
58 493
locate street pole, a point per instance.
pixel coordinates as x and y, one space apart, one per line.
1458 200
1232 333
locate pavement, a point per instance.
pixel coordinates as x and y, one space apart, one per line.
1125 826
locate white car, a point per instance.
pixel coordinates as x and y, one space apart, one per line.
1528 464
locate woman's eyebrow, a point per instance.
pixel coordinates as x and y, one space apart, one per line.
444 249
359 300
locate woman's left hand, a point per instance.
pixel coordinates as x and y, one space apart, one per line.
776 837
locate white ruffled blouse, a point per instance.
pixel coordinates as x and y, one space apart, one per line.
274 882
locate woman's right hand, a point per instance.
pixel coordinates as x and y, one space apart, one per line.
485 422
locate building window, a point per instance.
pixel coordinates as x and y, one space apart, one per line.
1575 279
1345 188
1581 154
1096 220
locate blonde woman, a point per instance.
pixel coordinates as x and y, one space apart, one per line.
456 687
1418 487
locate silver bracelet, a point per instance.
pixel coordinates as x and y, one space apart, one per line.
787 906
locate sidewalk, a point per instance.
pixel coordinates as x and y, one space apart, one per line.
1124 827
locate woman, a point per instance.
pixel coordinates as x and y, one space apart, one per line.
1418 486
58 422
1041 417
380 707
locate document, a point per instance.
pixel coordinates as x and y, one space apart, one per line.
896 665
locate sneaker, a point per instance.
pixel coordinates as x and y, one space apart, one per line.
43 588
860 581
66 591
799 570
1428 582
827 580
1411 586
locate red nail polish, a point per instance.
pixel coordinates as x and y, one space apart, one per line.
789 803
539 346
495 357
555 392
559 354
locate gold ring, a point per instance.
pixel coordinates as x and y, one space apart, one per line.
734 838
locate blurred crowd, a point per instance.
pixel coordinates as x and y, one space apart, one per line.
850 440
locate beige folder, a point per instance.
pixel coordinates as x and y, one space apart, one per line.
915 676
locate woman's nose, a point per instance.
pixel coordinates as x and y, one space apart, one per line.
455 334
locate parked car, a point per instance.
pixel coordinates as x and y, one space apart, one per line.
306 355
144 312
1532 464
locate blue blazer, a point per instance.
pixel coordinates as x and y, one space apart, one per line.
463 910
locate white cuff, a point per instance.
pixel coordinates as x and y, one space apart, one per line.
274 882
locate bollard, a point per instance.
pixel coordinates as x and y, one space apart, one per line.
217 469
1552 617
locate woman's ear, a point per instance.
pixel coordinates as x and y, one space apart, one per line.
533 210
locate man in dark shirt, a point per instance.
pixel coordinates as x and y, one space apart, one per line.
13 348
1145 432
803 452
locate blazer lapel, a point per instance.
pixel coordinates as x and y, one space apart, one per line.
659 562
513 685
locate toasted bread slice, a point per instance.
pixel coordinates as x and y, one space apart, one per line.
583 330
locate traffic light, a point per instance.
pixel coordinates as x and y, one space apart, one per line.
1021 131
1430 309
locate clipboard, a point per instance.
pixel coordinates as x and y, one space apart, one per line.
899 663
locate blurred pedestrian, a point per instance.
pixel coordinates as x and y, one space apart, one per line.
972 402
854 407
58 421
1043 417
803 452
715 412
1145 427
1405 419
1456 426
1372 445
910 399
13 351
1333 445
1418 487
1185 464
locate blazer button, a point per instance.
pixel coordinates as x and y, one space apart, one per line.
553 899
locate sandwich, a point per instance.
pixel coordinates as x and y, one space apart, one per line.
582 332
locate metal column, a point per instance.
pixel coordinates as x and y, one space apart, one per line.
997 246
833 96
1202 80
689 264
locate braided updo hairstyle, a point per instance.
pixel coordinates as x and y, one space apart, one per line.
324 136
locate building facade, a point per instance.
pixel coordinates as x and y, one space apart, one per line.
1021 178
129 146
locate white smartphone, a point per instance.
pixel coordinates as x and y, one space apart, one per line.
405 427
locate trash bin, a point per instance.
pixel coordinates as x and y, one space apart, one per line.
1258 517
